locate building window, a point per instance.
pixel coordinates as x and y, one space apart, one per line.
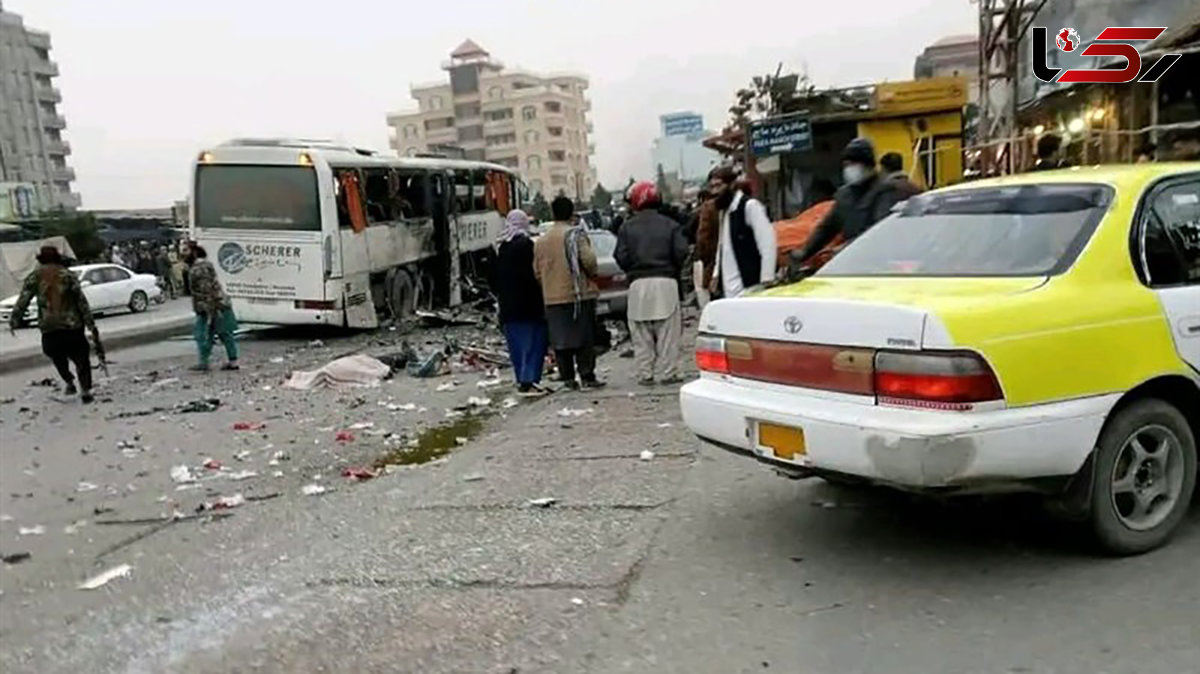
557 155
522 85
553 106
468 133
498 115
466 110
528 113
435 103
555 131
439 123
501 139
496 93
532 137
510 162
558 179
410 131
533 162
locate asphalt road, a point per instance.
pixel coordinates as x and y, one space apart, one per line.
692 561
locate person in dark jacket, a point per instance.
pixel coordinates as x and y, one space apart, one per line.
863 200
522 311
1048 149
651 250
893 172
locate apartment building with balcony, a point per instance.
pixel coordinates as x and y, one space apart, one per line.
536 123
33 151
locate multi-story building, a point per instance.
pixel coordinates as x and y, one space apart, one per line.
536 123
953 56
32 148
680 151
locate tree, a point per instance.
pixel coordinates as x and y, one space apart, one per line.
601 198
79 230
541 208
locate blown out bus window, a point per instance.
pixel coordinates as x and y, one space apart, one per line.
238 196
1024 230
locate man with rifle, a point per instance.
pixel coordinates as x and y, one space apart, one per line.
63 313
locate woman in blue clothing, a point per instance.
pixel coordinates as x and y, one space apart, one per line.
522 313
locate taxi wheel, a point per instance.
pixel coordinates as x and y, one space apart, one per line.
1145 473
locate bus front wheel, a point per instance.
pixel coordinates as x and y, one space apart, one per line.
401 295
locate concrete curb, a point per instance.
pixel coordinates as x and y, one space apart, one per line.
31 356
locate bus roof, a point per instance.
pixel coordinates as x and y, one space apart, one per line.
342 155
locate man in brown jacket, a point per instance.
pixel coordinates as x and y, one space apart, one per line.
566 267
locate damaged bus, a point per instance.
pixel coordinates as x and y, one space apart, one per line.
314 233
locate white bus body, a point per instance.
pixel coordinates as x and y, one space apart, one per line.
293 246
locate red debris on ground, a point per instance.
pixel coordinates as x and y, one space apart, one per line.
359 473
212 464
249 426
344 437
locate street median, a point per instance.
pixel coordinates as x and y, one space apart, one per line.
30 355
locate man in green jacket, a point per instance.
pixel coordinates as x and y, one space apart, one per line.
63 313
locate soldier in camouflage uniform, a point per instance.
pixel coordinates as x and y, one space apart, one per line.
63 313
214 313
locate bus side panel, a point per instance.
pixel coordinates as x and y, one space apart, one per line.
478 230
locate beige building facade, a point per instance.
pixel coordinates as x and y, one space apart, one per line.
33 150
535 123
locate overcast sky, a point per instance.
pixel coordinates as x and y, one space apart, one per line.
147 84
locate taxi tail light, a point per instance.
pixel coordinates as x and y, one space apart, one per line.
711 356
934 380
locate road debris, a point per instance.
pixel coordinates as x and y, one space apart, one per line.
276 360
509 403
665 424
36 530
544 502
182 475
101 579
249 426
568 412
577 601
445 319
243 455
448 386
362 425
281 455
359 474
646 455
344 437
212 464
223 503
433 365
74 527
355 371
489 383
475 401
313 489
472 478
16 558
460 441
240 475
84 487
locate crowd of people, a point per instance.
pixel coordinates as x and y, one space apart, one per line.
166 261
546 288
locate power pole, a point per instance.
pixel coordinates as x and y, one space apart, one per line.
1002 25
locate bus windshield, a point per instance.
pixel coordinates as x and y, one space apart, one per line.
232 196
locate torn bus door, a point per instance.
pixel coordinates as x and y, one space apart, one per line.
445 260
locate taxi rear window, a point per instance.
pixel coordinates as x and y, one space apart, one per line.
1025 230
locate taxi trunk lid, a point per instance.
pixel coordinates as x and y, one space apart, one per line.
874 313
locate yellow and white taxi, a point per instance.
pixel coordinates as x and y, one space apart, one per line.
1034 332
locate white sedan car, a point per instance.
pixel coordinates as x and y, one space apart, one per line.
108 288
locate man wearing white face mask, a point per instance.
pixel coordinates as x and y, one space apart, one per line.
863 200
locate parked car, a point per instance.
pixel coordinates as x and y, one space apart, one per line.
1038 332
614 287
108 288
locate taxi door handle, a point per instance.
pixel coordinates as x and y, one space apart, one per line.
1190 329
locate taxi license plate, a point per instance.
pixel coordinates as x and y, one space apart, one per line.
784 441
